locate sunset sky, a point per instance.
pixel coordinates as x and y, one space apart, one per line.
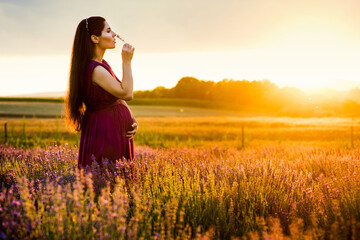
308 44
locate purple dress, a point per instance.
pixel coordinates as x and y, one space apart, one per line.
105 124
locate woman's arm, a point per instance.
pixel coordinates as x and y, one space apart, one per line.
105 80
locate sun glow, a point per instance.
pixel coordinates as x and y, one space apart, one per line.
307 56
313 54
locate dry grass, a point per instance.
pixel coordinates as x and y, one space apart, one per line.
200 131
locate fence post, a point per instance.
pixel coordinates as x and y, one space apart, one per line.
242 136
5 131
352 136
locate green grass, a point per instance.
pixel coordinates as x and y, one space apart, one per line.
194 103
52 107
136 101
31 109
31 99
144 107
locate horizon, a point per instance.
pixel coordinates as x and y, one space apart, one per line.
308 45
314 91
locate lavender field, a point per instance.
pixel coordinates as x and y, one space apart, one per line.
268 191
192 178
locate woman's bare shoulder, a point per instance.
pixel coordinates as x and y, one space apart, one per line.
100 71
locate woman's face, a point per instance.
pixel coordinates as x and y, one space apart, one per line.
107 38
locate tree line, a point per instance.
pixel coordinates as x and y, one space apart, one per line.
258 97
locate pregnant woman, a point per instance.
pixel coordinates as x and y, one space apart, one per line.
96 98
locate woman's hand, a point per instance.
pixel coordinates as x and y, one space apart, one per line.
127 53
130 134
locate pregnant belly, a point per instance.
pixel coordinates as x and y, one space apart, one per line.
124 116
110 118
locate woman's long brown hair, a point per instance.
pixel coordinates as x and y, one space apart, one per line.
82 53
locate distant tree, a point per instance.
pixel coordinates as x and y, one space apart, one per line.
351 108
143 94
160 92
190 87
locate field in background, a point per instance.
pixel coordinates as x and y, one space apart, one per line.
194 131
52 108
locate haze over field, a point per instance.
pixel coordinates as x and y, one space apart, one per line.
305 44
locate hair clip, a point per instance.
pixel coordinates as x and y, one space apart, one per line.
87 25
